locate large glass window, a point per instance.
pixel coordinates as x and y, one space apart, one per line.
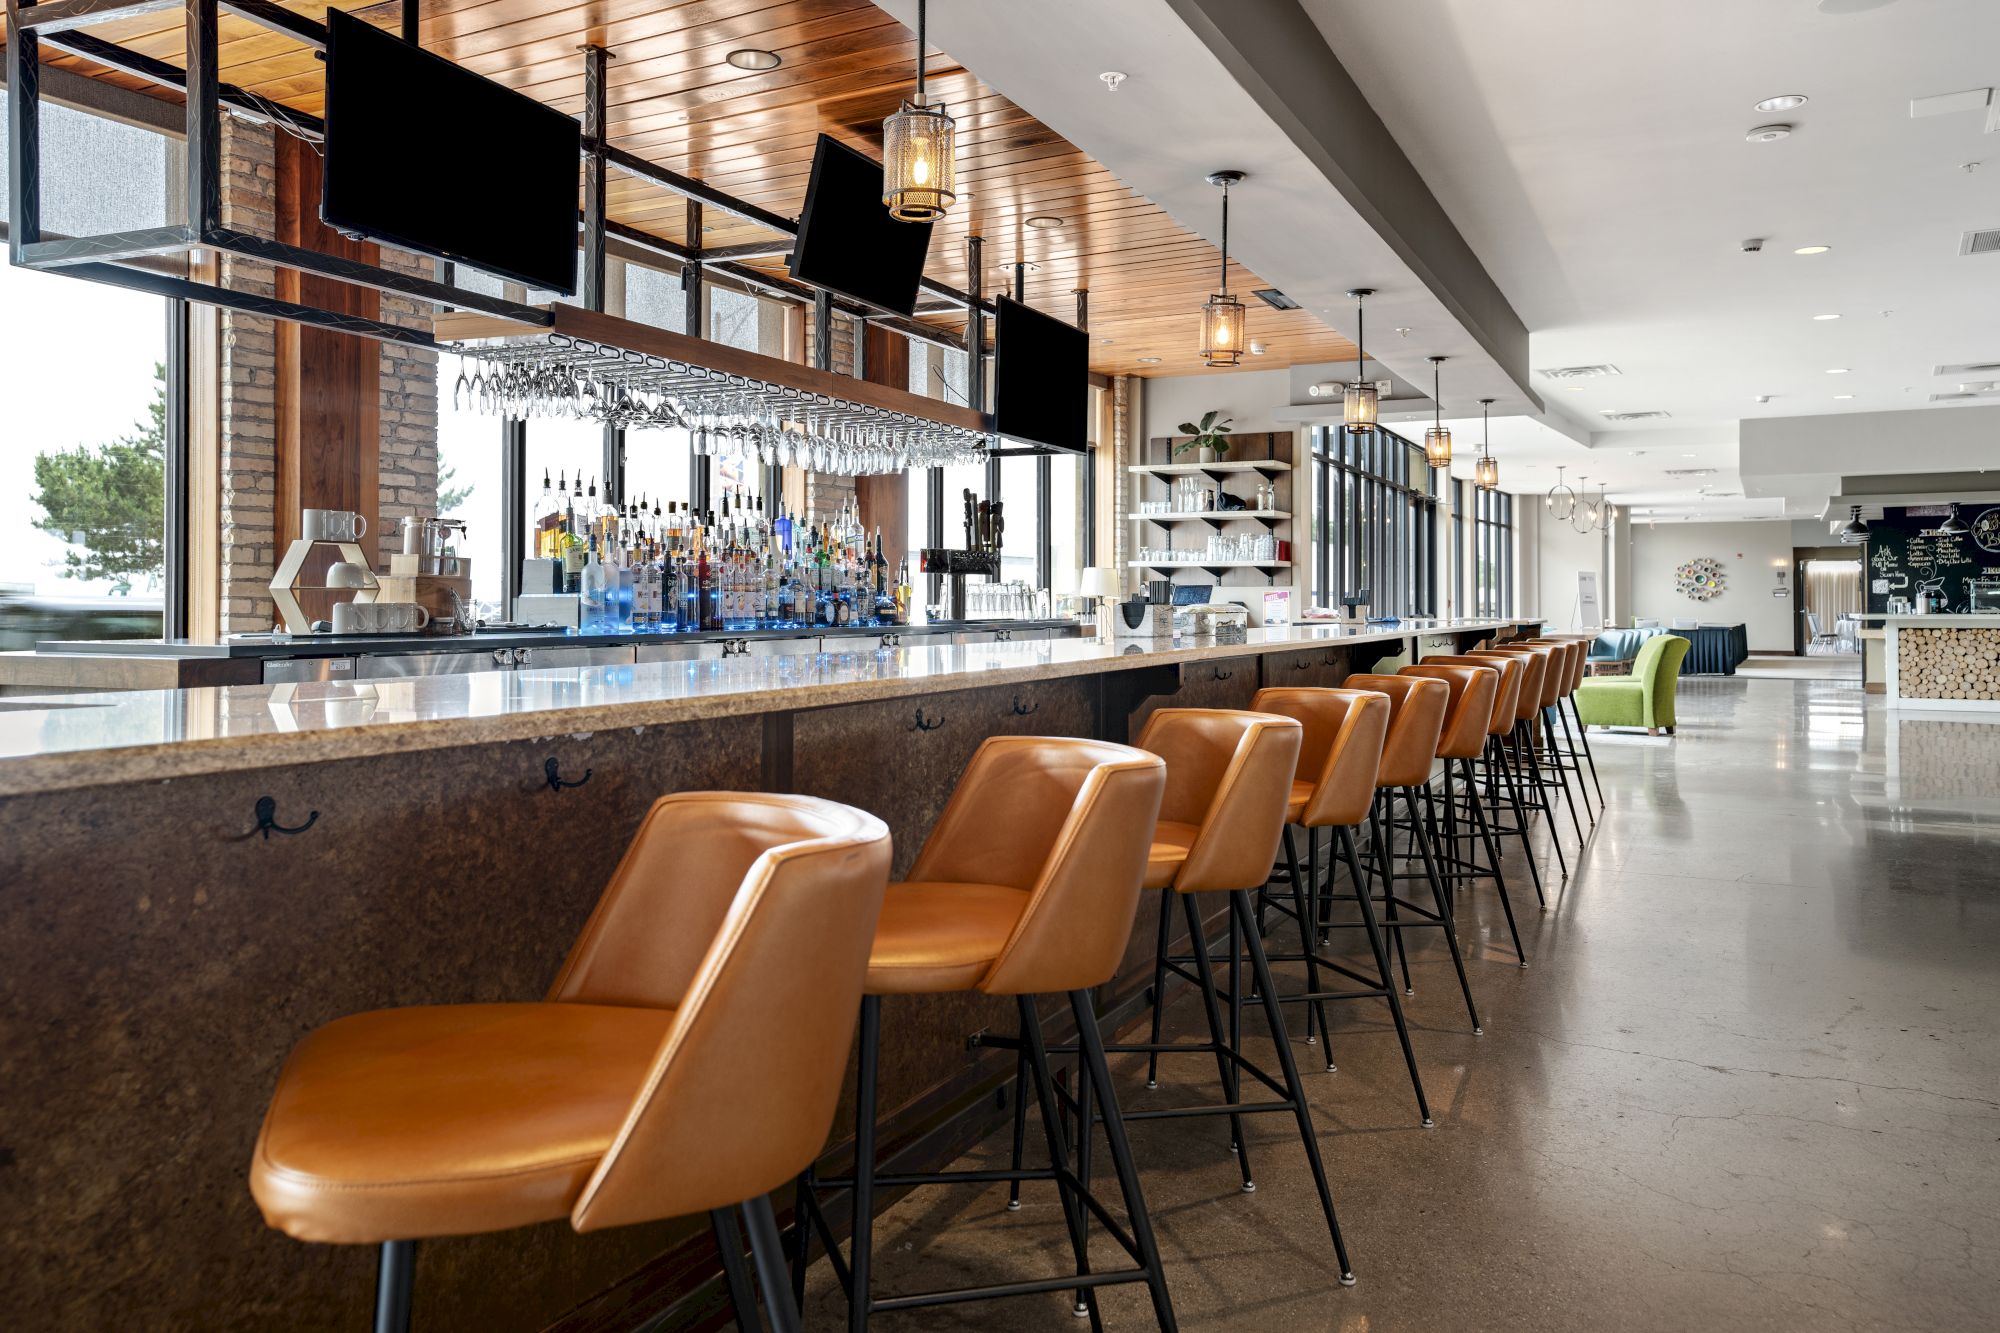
1021 539
83 375
1374 520
1493 554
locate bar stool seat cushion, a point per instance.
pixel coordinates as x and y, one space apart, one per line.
1302 794
936 938
448 1120
1172 841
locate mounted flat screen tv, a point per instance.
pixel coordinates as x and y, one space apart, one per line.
424 155
1041 379
847 241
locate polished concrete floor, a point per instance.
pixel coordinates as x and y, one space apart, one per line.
1750 1081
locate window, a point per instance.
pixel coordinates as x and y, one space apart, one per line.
1021 539
471 461
1374 519
84 374
939 372
1493 554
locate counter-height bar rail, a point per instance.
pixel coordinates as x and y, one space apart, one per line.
193 878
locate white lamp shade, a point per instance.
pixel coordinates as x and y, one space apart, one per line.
1099 581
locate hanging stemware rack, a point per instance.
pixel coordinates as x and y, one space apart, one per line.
598 367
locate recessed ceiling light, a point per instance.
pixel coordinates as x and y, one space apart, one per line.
1836 370
1107 341
1043 221
1840 397
1826 316
750 57
1149 361
1783 102
1769 133
1812 249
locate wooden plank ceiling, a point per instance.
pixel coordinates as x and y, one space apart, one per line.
676 101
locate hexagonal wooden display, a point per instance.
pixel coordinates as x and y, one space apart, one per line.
285 580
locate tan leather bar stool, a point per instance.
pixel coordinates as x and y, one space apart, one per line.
1501 780
1229 788
1027 885
1339 758
1474 689
1518 749
1538 737
687 1059
1417 710
1579 667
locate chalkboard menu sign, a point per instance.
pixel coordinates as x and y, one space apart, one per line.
1903 561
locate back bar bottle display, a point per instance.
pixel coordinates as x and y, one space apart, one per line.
661 569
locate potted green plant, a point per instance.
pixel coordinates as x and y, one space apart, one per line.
1209 436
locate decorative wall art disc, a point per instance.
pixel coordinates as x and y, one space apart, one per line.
1701 579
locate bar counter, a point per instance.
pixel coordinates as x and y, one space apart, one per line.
195 878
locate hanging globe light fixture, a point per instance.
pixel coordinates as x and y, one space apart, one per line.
1560 502
919 153
1437 440
1222 338
1358 408
1486 472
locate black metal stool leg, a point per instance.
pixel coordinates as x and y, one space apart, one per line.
1316 1010
1225 1068
1090 1047
1493 855
1239 902
1020 1126
1575 757
395 1277
1380 949
1583 734
1498 759
1562 773
1438 893
736 1273
767 1251
1035 1056
1379 842
1159 986
1533 778
859 1297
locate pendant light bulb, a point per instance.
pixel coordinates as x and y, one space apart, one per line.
919 152
1222 317
1360 406
1437 440
1486 473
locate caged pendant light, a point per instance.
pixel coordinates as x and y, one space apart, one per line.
1358 409
1437 440
1222 338
919 153
1486 473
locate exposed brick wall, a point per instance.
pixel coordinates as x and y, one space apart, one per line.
408 468
248 366
1125 391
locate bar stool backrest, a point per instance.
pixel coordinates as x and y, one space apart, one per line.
1416 720
1070 821
1341 752
1534 670
1554 665
1506 698
1229 773
1573 652
775 990
1470 712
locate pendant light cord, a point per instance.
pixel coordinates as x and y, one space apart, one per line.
1360 335
1225 238
1437 395
920 53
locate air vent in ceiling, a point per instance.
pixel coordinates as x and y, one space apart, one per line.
1963 396
1578 372
1653 414
1967 370
1275 299
1985 242
1692 471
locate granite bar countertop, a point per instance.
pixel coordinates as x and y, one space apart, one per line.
151 735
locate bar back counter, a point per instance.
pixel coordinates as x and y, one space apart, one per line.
196 877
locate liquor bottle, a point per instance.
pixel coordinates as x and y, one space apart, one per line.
574 557
594 606
903 591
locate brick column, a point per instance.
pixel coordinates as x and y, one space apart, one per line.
248 400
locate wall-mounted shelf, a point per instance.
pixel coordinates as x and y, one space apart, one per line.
1269 467
1215 517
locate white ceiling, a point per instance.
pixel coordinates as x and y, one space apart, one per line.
1593 155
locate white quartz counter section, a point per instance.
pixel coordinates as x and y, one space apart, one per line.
1950 663
81 740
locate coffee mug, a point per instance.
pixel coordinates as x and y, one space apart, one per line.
346 574
401 617
354 618
332 525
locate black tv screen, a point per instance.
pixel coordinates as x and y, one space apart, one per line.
1041 379
847 241
427 156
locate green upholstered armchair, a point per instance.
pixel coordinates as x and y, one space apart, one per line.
1643 699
